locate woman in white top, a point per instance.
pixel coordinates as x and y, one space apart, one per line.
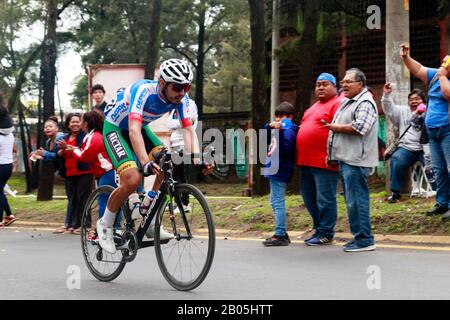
6 162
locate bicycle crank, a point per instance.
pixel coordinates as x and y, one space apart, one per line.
130 247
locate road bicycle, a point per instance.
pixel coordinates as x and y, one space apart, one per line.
184 260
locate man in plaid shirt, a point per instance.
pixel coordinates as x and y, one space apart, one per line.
352 144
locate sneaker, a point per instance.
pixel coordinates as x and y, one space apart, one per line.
319 241
437 210
349 243
446 216
357 248
394 197
163 234
277 241
187 208
106 237
311 235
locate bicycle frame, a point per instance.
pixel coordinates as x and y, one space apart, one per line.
165 193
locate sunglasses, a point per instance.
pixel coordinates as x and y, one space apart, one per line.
178 87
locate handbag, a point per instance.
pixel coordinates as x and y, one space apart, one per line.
394 145
424 139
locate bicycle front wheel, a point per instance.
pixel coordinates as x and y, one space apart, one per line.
186 259
103 265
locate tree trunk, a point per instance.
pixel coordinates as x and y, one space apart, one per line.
48 68
24 149
307 54
260 103
49 60
200 59
153 42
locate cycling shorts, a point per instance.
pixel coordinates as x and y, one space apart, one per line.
120 150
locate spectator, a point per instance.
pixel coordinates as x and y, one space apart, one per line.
437 126
6 162
94 153
79 176
280 168
405 118
181 171
352 144
50 153
98 95
318 182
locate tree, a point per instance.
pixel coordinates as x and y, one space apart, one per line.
197 32
260 102
153 39
48 72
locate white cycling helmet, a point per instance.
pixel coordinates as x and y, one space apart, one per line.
175 70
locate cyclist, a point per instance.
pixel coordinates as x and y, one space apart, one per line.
126 131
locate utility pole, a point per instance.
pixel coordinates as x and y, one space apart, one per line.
275 93
397 32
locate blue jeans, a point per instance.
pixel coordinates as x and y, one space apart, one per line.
440 157
107 179
318 188
401 160
357 199
5 174
277 202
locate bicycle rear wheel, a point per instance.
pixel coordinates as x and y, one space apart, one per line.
186 259
103 265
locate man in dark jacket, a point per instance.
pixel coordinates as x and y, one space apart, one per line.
280 168
98 95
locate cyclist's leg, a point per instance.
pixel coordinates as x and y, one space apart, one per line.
121 156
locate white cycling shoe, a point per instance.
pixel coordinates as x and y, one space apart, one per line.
187 208
106 237
163 234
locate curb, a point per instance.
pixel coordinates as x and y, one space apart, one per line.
297 235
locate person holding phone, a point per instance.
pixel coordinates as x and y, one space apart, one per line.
437 125
408 120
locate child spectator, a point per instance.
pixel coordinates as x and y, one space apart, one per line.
279 168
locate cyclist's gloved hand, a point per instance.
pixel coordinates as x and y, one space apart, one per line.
150 168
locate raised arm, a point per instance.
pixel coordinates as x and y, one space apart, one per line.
416 69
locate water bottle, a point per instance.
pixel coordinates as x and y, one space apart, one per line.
148 199
134 204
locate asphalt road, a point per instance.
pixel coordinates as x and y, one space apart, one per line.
37 265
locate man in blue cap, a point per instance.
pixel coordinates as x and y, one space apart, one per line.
318 182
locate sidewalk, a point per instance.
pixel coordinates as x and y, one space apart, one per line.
296 236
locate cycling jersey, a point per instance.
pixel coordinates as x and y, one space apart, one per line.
142 101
